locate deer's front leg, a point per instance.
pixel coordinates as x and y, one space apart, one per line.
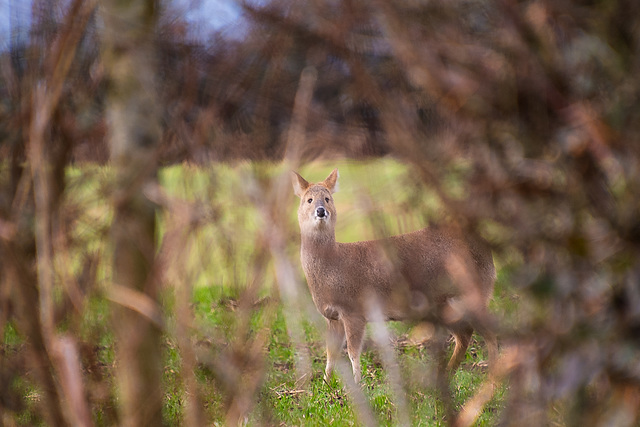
354 329
335 341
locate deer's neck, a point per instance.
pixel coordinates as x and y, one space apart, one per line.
319 244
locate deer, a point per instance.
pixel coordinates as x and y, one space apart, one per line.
434 274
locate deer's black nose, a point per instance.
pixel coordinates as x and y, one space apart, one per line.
320 212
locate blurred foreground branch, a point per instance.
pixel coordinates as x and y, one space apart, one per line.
134 134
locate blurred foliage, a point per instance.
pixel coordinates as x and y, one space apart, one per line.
518 120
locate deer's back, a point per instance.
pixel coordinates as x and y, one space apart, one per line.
397 272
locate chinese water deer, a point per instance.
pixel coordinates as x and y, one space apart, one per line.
433 274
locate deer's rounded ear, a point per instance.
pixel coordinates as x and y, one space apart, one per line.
300 184
332 181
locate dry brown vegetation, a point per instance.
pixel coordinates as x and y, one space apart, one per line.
522 117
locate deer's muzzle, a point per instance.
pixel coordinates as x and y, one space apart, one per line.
321 212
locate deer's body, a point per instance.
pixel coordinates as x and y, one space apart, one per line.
412 276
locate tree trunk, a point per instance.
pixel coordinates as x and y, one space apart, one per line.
134 134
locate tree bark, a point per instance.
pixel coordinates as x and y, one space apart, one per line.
134 134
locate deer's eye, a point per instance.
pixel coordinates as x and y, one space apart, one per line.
326 199
310 200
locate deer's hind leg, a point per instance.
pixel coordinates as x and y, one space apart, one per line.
492 344
335 341
462 335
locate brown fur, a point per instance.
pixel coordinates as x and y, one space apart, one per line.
431 274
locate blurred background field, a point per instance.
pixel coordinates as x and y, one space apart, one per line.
372 193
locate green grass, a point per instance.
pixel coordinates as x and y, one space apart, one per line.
378 196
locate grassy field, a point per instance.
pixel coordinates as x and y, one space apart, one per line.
239 331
